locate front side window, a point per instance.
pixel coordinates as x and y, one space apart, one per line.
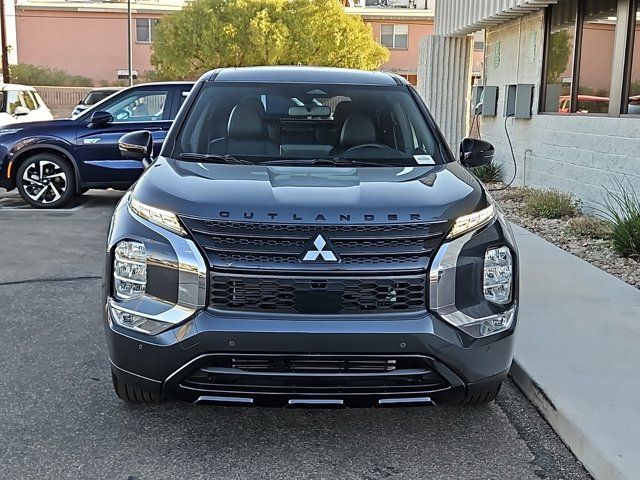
307 122
395 36
145 106
145 28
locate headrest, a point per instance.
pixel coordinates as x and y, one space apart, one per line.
342 111
245 123
254 102
358 129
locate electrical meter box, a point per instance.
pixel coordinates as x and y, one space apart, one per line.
490 101
519 100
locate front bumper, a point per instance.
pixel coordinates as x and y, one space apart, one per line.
454 364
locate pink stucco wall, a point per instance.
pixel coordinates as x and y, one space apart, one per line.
94 44
81 43
404 60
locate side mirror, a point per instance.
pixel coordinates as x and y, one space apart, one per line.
475 153
137 146
100 119
21 111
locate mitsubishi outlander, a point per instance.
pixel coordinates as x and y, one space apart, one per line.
306 238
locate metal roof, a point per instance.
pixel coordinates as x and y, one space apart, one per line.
291 74
461 17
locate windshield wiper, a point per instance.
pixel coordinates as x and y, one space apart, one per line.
332 162
214 158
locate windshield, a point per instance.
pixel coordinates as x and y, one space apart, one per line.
306 124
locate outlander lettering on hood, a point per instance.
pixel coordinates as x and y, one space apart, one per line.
322 217
291 245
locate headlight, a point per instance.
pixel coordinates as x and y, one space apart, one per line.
162 218
129 270
498 275
472 221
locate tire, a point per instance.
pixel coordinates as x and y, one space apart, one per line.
481 397
134 396
45 180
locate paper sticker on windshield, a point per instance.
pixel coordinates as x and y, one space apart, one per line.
424 159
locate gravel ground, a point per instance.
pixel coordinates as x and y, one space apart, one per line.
598 252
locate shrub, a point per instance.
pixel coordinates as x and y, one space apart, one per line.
551 204
588 226
490 173
44 76
622 209
518 194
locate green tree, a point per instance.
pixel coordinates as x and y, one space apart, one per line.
208 34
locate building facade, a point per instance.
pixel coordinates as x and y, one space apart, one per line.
89 38
581 61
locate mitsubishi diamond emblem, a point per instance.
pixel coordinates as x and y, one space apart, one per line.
319 248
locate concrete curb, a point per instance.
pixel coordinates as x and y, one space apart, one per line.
593 458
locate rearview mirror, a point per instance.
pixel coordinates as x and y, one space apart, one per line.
100 119
137 146
310 111
21 111
475 153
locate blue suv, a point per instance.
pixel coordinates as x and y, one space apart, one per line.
50 161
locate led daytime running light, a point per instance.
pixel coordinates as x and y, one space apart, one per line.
470 222
162 218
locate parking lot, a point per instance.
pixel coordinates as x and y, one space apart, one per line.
60 419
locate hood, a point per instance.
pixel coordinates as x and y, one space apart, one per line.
311 194
41 126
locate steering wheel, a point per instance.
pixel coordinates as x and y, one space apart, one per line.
368 145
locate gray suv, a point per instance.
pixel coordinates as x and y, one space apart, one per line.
305 237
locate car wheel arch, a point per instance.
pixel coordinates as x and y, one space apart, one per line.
27 152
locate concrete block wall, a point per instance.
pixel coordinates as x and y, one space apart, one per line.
444 82
579 154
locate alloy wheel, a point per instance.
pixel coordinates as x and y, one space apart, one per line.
44 181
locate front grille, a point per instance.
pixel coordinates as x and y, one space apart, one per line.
256 374
311 364
232 245
317 295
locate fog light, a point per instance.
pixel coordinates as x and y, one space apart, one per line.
498 275
129 270
133 321
496 323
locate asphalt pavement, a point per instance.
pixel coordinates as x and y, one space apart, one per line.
59 417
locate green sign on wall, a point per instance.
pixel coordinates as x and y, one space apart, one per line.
496 54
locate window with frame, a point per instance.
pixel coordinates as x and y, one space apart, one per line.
395 36
145 29
139 106
592 58
632 103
